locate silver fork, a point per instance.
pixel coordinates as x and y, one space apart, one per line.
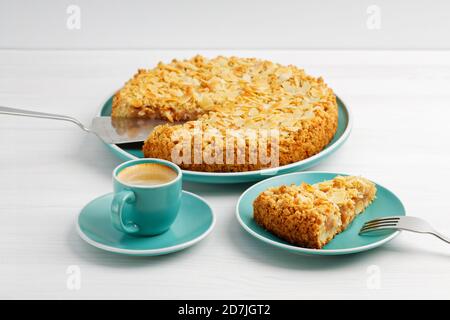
402 223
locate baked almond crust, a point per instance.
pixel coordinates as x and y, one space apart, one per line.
231 94
311 215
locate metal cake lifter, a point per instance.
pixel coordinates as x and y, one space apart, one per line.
110 130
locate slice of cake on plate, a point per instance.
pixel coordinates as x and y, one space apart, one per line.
311 215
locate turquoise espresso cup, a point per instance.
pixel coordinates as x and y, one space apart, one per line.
140 210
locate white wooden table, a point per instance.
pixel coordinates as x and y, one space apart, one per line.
49 170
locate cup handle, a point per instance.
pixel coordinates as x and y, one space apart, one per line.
119 201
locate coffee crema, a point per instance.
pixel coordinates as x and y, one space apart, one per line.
147 174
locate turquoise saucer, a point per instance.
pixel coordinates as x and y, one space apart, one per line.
193 223
348 241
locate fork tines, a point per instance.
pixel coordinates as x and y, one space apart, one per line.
381 223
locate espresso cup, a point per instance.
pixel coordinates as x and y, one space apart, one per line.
147 196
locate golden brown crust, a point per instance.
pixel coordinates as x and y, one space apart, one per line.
310 216
301 215
232 93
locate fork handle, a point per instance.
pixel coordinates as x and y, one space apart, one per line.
441 236
36 114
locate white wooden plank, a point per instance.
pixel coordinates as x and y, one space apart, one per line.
49 170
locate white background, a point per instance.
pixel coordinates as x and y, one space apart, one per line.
49 170
250 24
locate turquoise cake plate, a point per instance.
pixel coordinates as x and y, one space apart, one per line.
134 151
348 241
194 222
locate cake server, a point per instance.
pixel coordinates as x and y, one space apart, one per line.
110 130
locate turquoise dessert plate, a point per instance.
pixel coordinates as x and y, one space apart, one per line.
134 151
194 222
348 241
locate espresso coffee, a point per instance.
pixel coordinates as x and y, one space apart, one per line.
147 174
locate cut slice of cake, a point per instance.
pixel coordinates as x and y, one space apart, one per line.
311 215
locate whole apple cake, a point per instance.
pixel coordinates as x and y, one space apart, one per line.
242 114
